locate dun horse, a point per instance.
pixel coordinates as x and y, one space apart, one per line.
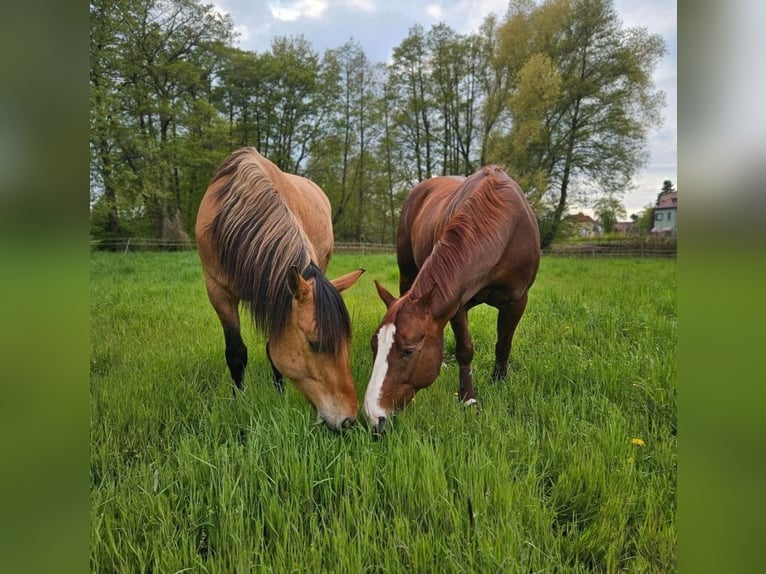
265 239
460 242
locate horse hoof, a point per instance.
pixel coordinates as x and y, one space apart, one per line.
470 402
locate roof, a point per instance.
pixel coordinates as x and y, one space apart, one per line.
581 218
667 200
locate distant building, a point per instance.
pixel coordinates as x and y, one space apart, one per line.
625 228
666 214
583 225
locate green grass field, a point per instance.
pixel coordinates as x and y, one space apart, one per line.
544 478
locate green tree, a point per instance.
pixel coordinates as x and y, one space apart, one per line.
409 78
609 210
645 219
152 68
581 101
343 162
393 165
456 88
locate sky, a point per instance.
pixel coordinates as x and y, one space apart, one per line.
380 25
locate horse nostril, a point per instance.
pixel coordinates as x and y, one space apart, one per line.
347 422
381 426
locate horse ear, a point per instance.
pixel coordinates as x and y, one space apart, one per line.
299 287
384 294
345 281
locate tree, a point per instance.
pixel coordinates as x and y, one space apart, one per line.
667 187
455 87
581 101
645 219
352 129
409 77
609 210
152 63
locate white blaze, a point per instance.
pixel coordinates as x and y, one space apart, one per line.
372 406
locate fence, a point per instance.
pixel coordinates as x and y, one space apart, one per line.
615 249
128 244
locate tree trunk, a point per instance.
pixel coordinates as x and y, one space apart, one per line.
550 233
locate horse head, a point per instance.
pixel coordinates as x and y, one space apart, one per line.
408 349
312 349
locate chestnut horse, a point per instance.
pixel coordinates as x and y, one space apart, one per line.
265 238
460 242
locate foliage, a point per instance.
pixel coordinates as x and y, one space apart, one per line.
546 477
154 136
645 219
559 93
609 210
581 101
667 187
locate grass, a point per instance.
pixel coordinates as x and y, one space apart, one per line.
544 478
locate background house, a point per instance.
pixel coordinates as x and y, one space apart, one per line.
666 214
582 225
625 228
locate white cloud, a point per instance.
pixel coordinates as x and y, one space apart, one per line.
434 10
290 12
362 5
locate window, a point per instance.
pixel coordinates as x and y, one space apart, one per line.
658 216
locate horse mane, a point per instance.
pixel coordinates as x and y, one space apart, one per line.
479 220
258 240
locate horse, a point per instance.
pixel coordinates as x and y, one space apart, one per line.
264 238
460 242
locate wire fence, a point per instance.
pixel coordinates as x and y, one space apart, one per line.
133 244
129 244
615 249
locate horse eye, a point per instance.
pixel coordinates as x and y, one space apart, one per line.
314 346
406 353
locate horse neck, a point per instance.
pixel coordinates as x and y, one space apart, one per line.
460 262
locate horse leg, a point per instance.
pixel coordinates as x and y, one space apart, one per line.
279 380
226 306
508 318
464 355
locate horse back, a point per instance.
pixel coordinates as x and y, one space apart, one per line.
423 220
507 267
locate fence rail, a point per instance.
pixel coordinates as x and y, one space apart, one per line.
128 244
613 250
351 247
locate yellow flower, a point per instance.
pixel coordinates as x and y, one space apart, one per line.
631 460
637 442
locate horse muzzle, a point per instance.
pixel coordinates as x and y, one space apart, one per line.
380 426
339 425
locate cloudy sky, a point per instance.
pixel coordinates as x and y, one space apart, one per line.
380 25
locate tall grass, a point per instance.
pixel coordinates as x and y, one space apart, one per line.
543 478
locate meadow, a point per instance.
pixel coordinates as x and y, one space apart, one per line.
568 466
